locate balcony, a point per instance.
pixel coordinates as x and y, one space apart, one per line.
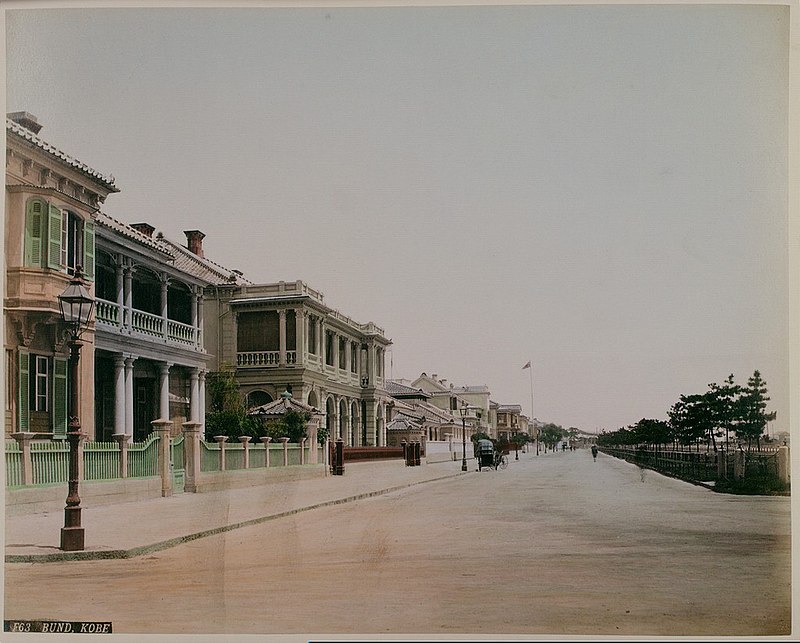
264 359
110 316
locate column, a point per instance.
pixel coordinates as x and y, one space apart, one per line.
245 440
194 399
123 440
163 407
285 451
164 296
198 337
299 322
120 291
128 288
201 386
129 395
221 441
119 394
266 441
282 333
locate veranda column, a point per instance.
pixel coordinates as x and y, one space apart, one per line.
193 312
128 305
194 399
163 407
299 322
129 395
201 388
119 394
164 295
120 299
282 337
199 320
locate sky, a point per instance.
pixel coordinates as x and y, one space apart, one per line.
601 189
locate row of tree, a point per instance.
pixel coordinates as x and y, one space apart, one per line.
726 410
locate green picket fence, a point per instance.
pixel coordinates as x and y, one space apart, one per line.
50 462
100 460
143 458
13 464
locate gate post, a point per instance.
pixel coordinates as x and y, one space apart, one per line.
161 427
303 450
221 441
24 441
245 440
285 451
191 455
122 439
738 465
266 442
404 444
783 464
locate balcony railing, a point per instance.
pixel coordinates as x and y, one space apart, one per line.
110 313
264 359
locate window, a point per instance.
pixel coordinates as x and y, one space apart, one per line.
353 357
342 352
58 239
39 381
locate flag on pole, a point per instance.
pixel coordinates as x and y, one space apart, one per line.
528 365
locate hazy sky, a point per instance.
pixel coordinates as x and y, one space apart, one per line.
598 189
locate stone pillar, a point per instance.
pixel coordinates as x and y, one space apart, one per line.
194 399
245 440
123 439
119 393
282 337
303 450
24 440
738 465
129 395
161 428
191 455
163 406
783 464
313 429
285 451
221 441
266 442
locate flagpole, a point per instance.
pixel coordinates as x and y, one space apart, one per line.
532 415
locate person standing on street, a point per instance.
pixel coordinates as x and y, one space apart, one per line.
594 452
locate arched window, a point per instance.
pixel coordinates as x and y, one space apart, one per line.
257 398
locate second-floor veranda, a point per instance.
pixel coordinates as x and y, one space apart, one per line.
147 303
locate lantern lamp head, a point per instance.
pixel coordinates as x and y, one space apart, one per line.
76 303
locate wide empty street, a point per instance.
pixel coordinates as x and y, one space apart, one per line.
556 544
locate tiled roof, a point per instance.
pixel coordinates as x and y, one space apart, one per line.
201 267
106 181
280 406
396 388
125 230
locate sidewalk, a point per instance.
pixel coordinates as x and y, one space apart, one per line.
131 529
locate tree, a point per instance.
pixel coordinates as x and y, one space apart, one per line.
723 404
690 419
291 425
752 405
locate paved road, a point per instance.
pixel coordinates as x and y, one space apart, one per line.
553 545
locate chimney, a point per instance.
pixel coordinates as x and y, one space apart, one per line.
26 120
194 241
145 228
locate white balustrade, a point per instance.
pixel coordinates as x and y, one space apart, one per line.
180 332
256 359
107 312
148 323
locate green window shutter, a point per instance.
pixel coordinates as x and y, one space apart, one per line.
88 250
59 407
54 238
33 234
24 404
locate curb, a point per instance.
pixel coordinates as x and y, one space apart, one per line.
179 540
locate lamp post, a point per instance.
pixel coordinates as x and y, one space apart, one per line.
76 308
516 446
464 410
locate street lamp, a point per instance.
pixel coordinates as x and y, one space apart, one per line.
464 410
76 308
516 446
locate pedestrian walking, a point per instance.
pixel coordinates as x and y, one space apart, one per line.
594 452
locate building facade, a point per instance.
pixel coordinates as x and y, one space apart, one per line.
282 337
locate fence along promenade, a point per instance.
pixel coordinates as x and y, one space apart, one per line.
709 466
32 463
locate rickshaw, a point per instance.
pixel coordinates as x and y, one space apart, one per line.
484 452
